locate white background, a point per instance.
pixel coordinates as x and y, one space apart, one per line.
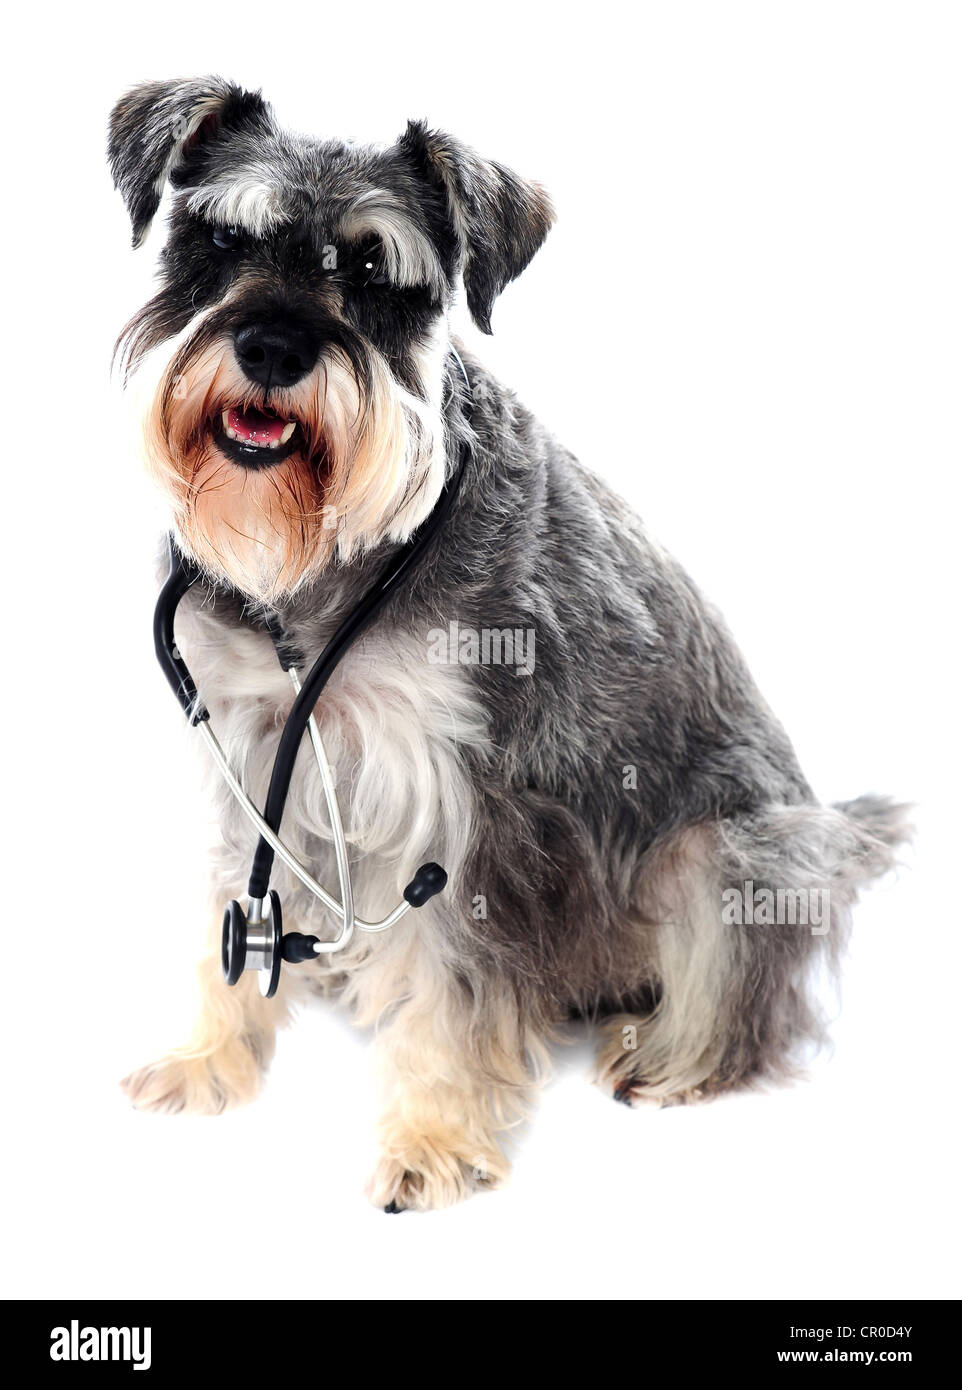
748 319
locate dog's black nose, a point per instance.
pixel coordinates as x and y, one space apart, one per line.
274 355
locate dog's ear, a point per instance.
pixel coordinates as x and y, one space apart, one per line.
499 219
157 128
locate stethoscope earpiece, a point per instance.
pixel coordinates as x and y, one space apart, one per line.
429 880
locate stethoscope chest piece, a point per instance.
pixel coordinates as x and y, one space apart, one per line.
254 940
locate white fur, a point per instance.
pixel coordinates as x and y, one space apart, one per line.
251 202
426 457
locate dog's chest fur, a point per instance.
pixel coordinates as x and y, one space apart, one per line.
395 729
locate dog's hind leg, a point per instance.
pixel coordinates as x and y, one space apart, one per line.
229 1051
737 999
674 1051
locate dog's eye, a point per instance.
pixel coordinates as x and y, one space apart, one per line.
372 271
226 238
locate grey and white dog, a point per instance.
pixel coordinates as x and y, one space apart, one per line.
596 804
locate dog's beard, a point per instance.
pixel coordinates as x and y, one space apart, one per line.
366 465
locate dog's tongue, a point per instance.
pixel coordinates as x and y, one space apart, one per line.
254 426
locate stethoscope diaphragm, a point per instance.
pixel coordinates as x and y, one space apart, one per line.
254 940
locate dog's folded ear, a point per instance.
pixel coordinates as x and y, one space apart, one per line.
499 219
158 128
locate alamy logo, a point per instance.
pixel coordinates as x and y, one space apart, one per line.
76 1343
749 906
492 646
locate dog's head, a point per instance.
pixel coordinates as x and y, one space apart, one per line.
296 350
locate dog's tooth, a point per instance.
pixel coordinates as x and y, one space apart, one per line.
286 432
225 420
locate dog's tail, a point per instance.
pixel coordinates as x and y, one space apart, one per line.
880 826
842 847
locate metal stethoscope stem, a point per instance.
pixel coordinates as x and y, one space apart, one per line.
343 909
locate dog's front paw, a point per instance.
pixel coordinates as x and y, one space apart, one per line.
196 1084
425 1174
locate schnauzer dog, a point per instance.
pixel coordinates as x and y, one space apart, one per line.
595 810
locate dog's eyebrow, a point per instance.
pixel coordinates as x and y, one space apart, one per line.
251 201
410 258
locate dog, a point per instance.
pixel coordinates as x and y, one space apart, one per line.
596 804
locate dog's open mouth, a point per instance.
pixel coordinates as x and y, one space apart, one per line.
255 437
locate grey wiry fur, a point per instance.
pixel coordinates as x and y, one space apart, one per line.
591 812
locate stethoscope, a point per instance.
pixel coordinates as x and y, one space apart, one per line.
254 939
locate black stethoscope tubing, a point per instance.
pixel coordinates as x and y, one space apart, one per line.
387 584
